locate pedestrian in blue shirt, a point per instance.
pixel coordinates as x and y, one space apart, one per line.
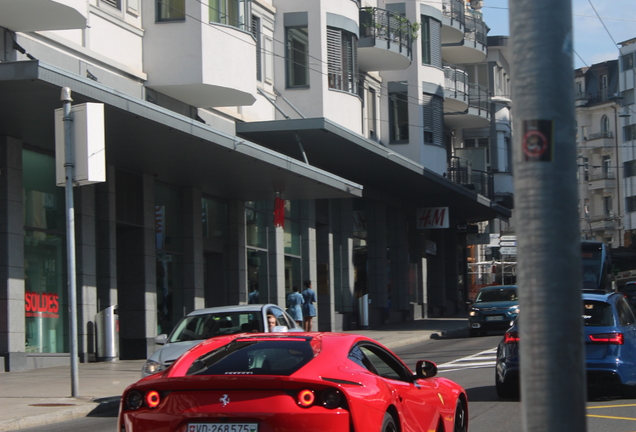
309 310
294 306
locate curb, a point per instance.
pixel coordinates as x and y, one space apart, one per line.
48 418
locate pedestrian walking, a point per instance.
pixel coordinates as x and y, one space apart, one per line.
309 310
295 302
252 297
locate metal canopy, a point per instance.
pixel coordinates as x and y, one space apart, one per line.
342 152
144 137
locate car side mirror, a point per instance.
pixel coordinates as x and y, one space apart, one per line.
425 369
276 329
161 339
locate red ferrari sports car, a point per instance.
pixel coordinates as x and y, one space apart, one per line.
310 382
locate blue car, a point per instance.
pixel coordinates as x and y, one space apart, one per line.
494 309
610 349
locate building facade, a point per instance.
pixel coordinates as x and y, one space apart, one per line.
368 128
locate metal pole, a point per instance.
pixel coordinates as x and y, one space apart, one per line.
617 159
70 237
549 248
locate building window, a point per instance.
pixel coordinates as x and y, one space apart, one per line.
629 133
169 250
398 112
432 121
114 3
627 61
171 10
230 12
629 168
214 218
257 217
605 124
607 206
256 32
371 113
342 60
297 57
45 267
630 202
425 31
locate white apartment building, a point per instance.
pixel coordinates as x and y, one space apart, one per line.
374 122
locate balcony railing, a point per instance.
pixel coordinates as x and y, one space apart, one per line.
388 26
476 29
454 9
599 135
478 97
460 171
609 175
455 80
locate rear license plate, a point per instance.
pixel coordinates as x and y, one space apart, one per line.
223 427
495 318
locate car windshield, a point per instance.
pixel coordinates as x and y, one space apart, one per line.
255 356
597 314
205 326
496 295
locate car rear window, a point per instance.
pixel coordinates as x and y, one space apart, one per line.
597 314
205 326
497 295
255 356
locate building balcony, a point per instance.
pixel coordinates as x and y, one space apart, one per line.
460 171
600 140
602 180
602 222
456 95
210 65
477 114
385 42
473 48
39 15
453 21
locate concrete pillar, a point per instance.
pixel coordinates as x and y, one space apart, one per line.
325 308
399 250
193 295
342 214
106 241
237 256
85 251
377 261
12 324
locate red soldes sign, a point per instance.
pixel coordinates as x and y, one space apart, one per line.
43 305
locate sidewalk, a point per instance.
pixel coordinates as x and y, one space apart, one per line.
42 396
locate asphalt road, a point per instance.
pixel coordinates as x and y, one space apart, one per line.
469 362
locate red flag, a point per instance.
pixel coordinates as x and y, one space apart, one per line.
279 212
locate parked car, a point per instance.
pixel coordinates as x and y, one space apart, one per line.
203 324
293 381
494 308
629 291
610 349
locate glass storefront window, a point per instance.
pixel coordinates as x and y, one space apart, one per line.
169 244
257 273
256 220
292 228
45 299
215 219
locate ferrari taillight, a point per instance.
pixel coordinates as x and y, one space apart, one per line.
608 338
152 399
306 398
511 337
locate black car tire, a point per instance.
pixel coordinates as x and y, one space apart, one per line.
388 424
461 417
505 389
629 392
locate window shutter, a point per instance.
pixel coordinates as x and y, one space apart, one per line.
255 28
113 3
334 58
433 119
436 43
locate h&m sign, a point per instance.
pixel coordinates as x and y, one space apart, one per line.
432 217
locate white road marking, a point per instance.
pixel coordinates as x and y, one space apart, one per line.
484 359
